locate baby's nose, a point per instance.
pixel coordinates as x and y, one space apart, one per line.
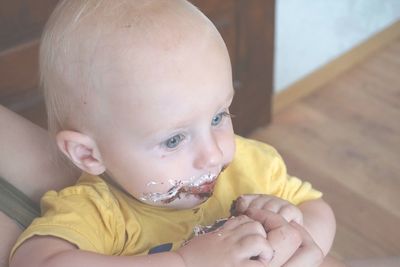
209 155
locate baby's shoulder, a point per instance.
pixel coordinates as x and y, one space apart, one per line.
88 188
250 148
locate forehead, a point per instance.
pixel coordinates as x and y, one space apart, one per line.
163 72
159 88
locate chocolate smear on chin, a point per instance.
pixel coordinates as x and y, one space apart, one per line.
187 190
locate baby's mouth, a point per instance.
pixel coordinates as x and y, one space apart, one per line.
202 187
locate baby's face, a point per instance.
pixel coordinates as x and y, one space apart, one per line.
166 131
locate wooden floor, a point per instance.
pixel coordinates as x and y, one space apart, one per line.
345 139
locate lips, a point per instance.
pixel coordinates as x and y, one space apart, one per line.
207 187
201 187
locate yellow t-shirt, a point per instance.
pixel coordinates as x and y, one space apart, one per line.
98 217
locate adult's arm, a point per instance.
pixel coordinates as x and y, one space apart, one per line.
28 157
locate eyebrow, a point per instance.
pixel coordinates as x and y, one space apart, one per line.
184 124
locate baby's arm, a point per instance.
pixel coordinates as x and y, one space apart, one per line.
27 158
54 252
241 241
320 222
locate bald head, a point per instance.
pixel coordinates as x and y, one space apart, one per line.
87 41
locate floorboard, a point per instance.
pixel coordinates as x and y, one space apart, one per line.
345 139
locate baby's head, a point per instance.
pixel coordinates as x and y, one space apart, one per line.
140 90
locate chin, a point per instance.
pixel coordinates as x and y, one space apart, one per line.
193 203
185 202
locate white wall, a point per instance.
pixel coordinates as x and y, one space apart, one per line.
310 33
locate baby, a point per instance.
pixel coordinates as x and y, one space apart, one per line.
138 95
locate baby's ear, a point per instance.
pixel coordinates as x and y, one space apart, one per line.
82 150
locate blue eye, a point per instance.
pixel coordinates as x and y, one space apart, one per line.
174 141
219 117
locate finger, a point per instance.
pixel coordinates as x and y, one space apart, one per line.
273 204
291 213
243 202
285 241
253 263
251 228
233 222
308 254
267 202
243 228
256 248
268 219
282 236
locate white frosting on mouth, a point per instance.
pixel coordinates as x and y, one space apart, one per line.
177 186
206 178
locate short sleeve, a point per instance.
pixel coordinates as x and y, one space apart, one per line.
289 187
266 170
84 215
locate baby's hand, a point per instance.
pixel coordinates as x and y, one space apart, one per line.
271 203
241 241
293 246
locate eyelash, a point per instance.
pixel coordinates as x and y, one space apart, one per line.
179 138
222 114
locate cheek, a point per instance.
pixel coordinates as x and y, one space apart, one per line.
231 147
227 143
158 172
132 171
139 171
